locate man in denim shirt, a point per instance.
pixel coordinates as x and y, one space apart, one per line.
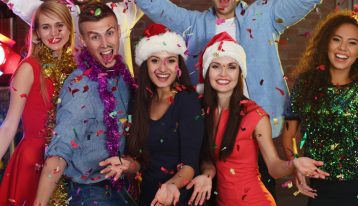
92 106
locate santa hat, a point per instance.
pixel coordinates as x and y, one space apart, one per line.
158 38
221 45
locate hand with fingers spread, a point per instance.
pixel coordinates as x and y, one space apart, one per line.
301 184
168 194
115 166
202 189
309 167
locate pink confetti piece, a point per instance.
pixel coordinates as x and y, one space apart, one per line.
220 21
74 144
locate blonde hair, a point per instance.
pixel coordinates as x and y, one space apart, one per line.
49 8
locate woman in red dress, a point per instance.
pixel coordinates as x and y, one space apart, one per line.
237 128
34 90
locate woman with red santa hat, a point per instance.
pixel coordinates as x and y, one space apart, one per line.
236 129
166 132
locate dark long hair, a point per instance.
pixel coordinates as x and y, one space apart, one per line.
139 129
314 64
233 122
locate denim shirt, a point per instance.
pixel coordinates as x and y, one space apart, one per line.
258 29
80 133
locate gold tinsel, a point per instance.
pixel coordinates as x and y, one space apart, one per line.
57 70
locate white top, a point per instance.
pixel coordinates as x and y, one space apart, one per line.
227 25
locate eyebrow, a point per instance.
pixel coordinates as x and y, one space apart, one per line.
92 32
46 24
165 57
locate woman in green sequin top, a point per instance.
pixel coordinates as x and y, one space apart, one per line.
323 110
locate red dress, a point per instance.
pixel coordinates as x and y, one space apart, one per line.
238 179
19 183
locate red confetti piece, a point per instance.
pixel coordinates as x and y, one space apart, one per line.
149 91
85 88
95 178
23 95
280 90
200 96
114 89
99 132
74 144
87 72
74 91
13 88
250 32
113 5
84 177
321 67
78 78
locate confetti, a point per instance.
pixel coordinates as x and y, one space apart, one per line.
261 82
321 67
100 132
280 90
279 20
232 171
250 32
220 21
23 95
85 88
275 121
73 144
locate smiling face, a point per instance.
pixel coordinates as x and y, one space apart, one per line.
224 74
162 68
101 39
343 47
225 8
52 31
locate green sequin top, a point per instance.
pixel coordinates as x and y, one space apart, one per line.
330 131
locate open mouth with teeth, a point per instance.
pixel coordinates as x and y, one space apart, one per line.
341 57
54 40
107 56
222 82
162 76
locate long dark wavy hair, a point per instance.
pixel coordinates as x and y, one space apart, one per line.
138 132
233 122
313 67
